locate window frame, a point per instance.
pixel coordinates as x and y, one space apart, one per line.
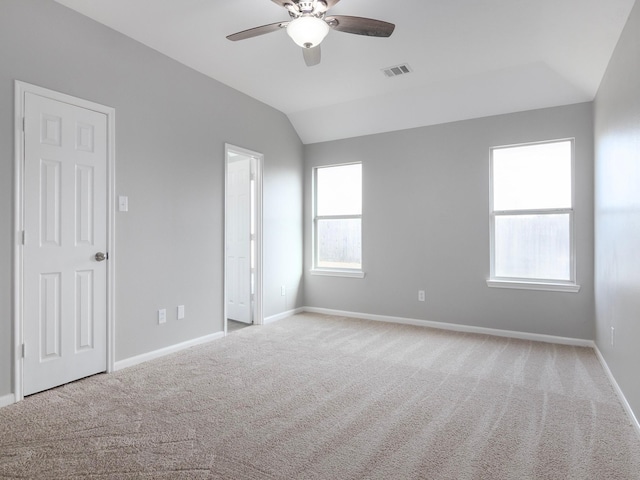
328 271
554 285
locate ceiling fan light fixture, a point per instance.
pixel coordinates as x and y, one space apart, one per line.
308 32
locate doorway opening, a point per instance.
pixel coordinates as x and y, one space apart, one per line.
243 238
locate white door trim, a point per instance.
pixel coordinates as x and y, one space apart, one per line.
21 88
258 314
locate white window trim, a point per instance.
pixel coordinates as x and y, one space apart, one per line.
526 284
323 271
493 281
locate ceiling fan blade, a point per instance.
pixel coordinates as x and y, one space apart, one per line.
254 32
330 3
311 56
283 3
360 25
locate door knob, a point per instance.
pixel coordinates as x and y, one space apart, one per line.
100 257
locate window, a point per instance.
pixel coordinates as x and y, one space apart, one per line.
337 222
532 216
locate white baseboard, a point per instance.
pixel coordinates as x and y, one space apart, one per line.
632 418
280 316
537 337
145 357
7 400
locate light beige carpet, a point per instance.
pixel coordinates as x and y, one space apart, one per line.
317 397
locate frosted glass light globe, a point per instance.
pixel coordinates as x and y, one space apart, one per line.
307 32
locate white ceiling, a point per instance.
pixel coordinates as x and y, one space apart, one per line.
470 58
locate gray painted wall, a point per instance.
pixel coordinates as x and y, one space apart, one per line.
426 225
617 167
171 126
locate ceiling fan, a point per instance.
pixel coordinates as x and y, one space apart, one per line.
309 26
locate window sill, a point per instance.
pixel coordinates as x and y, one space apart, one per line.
524 285
338 273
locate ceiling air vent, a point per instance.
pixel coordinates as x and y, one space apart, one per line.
397 70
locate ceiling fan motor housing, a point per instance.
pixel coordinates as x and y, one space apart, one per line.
316 8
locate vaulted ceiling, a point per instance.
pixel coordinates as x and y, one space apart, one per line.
468 58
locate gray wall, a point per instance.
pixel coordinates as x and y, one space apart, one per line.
171 126
617 167
426 225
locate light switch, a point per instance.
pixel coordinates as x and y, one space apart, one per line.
123 203
180 312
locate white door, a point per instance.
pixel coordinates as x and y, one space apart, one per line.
238 232
65 223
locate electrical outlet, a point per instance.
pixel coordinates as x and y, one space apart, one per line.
180 312
421 296
613 336
162 316
283 291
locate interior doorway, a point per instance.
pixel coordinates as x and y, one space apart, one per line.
243 238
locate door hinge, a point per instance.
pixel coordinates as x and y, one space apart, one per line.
24 237
23 350
24 124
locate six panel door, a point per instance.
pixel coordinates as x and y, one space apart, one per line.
65 222
238 239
